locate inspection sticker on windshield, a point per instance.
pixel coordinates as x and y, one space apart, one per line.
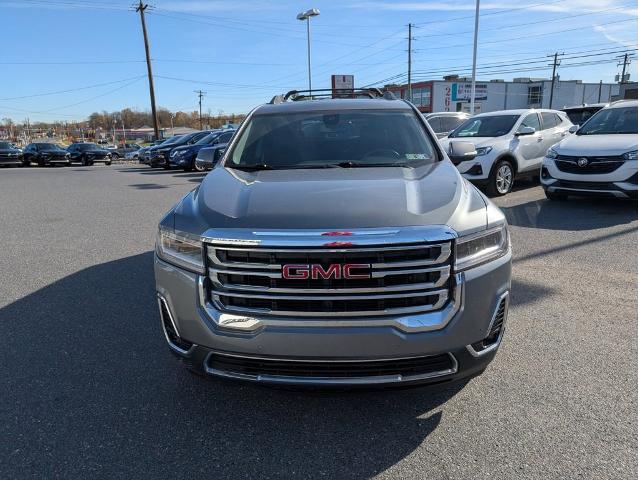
416 156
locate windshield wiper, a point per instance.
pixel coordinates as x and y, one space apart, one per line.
350 164
252 168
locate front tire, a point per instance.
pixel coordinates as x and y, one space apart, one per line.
501 179
556 197
199 168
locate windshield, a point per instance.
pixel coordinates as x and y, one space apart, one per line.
5 145
488 126
612 121
171 140
580 116
208 139
48 146
355 138
88 146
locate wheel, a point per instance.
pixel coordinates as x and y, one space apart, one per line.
559 197
108 163
167 166
501 179
116 156
85 162
41 163
199 168
26 163
188 168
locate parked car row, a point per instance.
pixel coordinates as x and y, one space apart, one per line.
194 151
598 157
46 154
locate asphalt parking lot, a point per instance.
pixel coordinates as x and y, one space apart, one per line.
89 389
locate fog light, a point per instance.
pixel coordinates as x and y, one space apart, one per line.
475 170
545 173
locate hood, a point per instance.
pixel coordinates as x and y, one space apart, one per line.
191 148
477 141
339 198
593 145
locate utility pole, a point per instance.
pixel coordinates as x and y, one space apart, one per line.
141 8
476 27
200 94
555 64
409 62
600 90
626 60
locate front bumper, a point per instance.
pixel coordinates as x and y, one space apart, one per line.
201 336
11 160
622 183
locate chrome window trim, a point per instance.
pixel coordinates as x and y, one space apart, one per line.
497 343
292 380
406 322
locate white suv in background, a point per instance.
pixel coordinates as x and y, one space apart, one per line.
509 143
601 159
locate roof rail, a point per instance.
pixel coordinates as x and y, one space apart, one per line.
297 95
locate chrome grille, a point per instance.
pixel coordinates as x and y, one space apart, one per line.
403 279
595 165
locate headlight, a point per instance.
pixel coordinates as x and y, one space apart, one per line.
551 153
483 151
631 155
479 248
181 249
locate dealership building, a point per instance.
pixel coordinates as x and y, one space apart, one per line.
452 94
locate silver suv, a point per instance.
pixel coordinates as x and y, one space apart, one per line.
335 244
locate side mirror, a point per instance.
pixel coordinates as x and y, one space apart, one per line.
461 152
525 131
574 128
219 153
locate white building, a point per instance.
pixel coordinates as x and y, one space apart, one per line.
453 94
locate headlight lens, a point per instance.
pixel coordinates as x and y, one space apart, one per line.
551 153
631 155
476 249
181 249
483 151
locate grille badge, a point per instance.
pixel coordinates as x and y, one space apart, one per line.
583 161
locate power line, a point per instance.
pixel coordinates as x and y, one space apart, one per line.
72 89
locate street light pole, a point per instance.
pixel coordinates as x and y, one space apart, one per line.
476 27
305 16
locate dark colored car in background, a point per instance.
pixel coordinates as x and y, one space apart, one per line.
143 154
184 157
579 114
45 154
208 157
10 155
160 155
88 153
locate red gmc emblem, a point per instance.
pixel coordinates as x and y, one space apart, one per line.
316 271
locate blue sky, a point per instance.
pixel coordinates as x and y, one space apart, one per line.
241 52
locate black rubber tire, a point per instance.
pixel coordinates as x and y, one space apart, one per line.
556 197
199 169
107 163
85 162
491 188
116 156
188 168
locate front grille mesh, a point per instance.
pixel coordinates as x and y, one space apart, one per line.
403 279
259 367
595 165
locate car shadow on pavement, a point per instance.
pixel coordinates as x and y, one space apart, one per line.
574 214
91 390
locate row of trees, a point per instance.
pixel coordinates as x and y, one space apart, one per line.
106 121
136 119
